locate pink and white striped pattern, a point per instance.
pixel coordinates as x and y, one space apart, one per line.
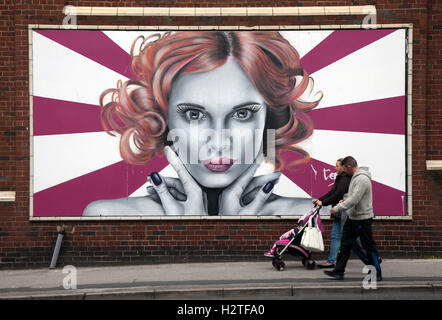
360 72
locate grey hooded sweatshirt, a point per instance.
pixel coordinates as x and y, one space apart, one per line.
359 203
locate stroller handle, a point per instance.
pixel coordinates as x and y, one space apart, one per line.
312 214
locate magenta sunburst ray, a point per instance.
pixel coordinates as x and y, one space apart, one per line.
70 198
339 44
94 45
52 116
376 116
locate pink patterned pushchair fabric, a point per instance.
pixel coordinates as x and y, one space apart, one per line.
290 242
302 221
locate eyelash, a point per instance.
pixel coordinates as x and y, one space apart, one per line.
253 108
183 109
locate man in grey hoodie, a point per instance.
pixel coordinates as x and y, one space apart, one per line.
359 207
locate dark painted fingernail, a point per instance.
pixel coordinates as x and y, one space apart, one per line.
268 187
156 178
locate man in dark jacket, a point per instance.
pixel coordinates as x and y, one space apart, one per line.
337 192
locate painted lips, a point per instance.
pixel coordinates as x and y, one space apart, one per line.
218 165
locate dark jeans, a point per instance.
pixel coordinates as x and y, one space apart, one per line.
353 229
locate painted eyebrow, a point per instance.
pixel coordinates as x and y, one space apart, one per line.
242 105
193 105
197 106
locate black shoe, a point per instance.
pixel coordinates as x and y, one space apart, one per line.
325 266
378 276
334 274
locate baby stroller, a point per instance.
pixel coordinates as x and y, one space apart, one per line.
290 242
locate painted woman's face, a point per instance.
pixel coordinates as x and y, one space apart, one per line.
216 120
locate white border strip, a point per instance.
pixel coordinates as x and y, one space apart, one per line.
7 196
409 126
409 26
434 164
260 218
219 11
276 27
31 124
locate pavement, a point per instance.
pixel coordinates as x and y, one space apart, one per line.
402 279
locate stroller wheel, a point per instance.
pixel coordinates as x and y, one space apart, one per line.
279 265
304 260
310 265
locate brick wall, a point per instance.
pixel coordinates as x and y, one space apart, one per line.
30 244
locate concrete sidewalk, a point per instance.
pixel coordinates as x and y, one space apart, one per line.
420 278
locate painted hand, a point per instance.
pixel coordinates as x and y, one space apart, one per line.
243 187
186 188
174 186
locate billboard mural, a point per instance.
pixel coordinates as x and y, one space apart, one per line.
152 123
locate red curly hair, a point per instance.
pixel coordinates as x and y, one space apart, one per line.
139 107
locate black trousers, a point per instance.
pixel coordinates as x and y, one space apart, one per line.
351 231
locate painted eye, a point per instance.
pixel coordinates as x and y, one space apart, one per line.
194 114
242 114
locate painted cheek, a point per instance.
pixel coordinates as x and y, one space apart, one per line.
251 133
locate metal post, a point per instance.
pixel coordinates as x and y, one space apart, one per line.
56 250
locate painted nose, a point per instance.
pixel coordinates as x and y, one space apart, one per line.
220 142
